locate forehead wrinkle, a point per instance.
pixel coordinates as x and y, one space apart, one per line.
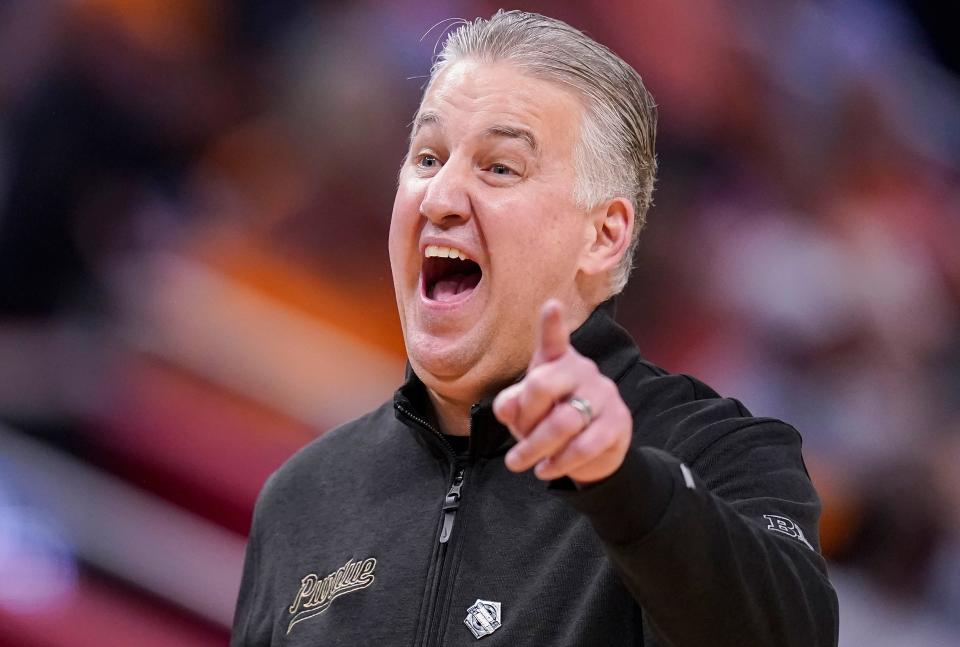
525 111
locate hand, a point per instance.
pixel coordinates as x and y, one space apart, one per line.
552 434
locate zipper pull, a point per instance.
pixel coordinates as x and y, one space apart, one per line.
450 504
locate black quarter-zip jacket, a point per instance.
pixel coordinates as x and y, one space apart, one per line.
378 534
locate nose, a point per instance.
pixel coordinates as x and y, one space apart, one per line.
446 202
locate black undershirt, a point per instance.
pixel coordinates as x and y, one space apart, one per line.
460 444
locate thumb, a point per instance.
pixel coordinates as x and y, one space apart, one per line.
553 338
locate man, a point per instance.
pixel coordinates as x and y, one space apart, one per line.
529 486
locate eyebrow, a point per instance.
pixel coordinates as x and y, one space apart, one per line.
513 132
497 130
424 118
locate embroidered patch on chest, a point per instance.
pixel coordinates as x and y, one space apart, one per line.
318 592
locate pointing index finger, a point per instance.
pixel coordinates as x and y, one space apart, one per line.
553 338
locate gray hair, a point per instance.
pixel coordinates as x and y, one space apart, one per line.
615 155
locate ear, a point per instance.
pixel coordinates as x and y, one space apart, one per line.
608 236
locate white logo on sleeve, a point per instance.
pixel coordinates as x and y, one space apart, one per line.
787 527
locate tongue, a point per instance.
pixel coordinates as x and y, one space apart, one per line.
447 288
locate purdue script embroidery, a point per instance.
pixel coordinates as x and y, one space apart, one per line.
316 593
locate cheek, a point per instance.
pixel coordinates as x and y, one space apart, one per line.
538 246
404 225
531 266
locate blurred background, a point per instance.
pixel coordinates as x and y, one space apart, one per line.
194 282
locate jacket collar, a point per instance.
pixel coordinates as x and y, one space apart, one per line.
599 337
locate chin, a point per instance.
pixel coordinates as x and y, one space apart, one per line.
440 358
458 372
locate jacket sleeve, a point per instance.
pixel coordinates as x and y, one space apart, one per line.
723 549
251 628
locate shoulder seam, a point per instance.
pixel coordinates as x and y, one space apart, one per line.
693 385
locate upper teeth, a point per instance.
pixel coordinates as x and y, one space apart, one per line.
444 252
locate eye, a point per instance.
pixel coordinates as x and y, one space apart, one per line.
501 169
427 161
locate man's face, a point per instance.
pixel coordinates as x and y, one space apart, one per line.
489 174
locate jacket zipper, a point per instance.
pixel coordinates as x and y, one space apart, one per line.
451 503
426 425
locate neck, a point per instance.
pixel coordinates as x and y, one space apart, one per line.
453 416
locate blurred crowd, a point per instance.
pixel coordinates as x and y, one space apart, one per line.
194 283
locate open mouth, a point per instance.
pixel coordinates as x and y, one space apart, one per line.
449 279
